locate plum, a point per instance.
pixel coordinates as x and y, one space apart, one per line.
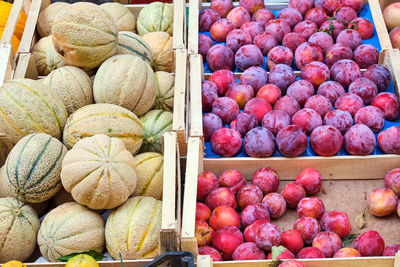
320 104
245 122
205 43
275 120
369 244
291 15
291 141
232 179
331 90
253 212
267 179
316 15
350 103
370 116
307 119
270 92
220 29
226 108
310 253
248 56
328 243
222 7
316 73
382 202
292 240
366 55
357 5
345 71
265 41
322 39
211 123
363 26
364 88
301 5
291 263
307 53
308 228
263 16
287 104
203 212
203 233
282 76
212 252
310 207
238 16
392 181
329 6
208 95
248 251
224 216
310 179
226 142
332 27
345 14
326 140
292 40
220 57
337 52
268 235
389 140
276 205
253 28
249 194
300 90
252 5
286 254
359 140
380 75
279 55
389 104
305 28
340 119
259 143
259 107
206 183
226 240
207 17
350 37
241 93
278 27
250 232
223 80
237 38
255 76
293 193
221 196
337 222
391 250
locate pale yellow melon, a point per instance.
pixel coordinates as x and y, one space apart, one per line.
53 59
163 55
99 172
84 35
70 228
156 16
46 18
28 106
5 187
19 225
39 54
62 197
134 229
72 85
124 19
127 81
5 147
155 123
165 91
131 43
149 170
33 167
108 119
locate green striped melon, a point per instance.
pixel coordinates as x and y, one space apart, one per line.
28 106
70 228
19 225
156 17
124 19
46 18
72 85
99 172
149 170
165 91
84 35
155 123
33 168
163 54
39 54
134 229
108 119
53 59
131 43
127 81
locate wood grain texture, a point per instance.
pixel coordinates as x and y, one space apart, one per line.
380 25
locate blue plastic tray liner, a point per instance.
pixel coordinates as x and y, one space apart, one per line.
365 13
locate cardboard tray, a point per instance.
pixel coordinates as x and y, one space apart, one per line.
23 65
346 185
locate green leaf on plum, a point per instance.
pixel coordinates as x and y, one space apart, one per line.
276 251
348 239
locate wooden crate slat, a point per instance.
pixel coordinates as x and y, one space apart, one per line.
179 24
193 28
12 21
7 63
196 117
30 26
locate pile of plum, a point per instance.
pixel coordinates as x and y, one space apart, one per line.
233 219
276 109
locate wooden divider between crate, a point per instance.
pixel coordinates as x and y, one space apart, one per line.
179 30
380 25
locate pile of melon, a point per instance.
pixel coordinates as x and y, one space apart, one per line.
88 137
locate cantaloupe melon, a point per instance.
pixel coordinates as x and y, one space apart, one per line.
33 167
131 43
134 229
46 18
155 17
5 187
70 228
155 123
163 54
53 59
19 225
124 19
149 170
165 91
5 147
99 172
108 119
28 106
84 35
72 85
127 81
39 53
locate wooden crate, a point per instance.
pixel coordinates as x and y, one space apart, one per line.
23 65
345 182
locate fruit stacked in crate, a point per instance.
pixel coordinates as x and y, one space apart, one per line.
392 20
237 221
88 144
339 89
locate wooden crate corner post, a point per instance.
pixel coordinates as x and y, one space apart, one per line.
194 166
179 113
204 261
179 32
195 109
193 28
169 224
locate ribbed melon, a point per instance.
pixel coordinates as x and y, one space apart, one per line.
46 18
99 172
5 147
84 35
72 85
70 228
39 54
108 119
33 167
127 81
53 59
165 91
134 229
5 187
124 19
131 43
156 17
163 54
155 123
19 225
149 170
28 106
